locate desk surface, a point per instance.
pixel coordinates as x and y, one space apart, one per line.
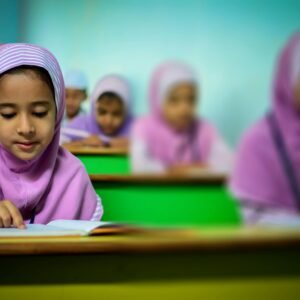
157 241
97 151
204 178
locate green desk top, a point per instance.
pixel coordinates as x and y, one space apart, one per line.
167 200
103 160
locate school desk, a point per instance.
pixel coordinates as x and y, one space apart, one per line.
103 160
193 264
166 200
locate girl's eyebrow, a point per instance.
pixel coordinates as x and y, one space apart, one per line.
3 105
40 102
35 103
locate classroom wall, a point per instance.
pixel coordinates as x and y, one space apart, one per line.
9 21
232 45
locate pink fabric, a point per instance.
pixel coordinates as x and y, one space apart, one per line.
258 175
166 145
55 182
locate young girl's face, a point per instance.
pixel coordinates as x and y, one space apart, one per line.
74 98
110 115
179 106
27 114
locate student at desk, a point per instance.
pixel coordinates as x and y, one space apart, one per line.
109 121
39 180
172 138
76 87
266 177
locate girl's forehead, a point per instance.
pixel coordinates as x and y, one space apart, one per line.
20 88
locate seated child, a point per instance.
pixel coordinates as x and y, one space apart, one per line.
76 87
267 171
39 180
109 121
172 138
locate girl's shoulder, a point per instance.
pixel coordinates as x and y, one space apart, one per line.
256 135
68 162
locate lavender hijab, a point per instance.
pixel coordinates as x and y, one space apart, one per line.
259 176
166 145
54 184
86 125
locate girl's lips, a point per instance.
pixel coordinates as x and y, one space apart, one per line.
26 146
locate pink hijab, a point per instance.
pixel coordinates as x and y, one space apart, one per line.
166 145
259 176
54 184
87 125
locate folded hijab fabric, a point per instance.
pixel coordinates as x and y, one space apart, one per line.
54 184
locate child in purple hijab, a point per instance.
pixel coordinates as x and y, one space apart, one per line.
266 176
39 180
172 138
109 121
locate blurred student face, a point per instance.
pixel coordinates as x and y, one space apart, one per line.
179 106
74 98
27 114
110 114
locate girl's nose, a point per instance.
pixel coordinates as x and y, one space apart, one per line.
25 126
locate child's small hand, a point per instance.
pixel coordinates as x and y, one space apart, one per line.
93 141
10 215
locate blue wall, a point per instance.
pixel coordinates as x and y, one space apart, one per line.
9 21
232 45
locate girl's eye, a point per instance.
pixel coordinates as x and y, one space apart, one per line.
102 112
40 114
8 116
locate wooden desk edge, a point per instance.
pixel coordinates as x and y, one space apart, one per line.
81 245
161 179
98 151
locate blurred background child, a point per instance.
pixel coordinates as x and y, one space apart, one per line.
76 86
267 171
172 138
109 120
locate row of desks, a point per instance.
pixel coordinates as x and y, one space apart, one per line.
211 263
228 262
156 200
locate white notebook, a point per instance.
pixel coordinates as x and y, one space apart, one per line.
65 228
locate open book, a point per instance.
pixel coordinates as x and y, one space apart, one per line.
66 228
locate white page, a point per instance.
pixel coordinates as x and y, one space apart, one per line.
80 225
39 230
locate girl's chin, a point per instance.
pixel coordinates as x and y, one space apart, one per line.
23 155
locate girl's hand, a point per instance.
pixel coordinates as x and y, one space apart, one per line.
92 141
10 215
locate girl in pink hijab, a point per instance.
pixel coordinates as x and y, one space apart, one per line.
39 181
172 138
109 121
266 176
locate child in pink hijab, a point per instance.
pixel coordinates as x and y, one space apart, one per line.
39 181
110 118
266 176
172 138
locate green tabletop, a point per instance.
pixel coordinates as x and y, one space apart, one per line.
103 160
165 200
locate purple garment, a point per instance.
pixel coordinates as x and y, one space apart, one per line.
86 125
166 145
55 183
258 175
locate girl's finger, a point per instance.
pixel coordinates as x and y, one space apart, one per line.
16 216
5 217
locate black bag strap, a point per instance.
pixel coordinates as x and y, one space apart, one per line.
284 158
